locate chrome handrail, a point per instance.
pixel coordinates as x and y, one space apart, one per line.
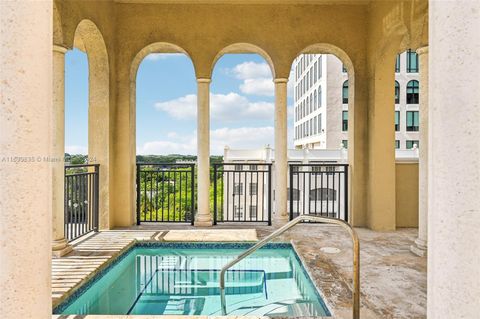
284 228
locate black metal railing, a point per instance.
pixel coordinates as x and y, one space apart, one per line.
81 200
318 189
165 192
242 192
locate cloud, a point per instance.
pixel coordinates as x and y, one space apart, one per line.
250 69
259 86
256 78
223 107
163 56
237 138
76 149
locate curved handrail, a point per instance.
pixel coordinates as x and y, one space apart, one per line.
284 228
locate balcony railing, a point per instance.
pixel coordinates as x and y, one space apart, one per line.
242 192
81 200
318 189
165 192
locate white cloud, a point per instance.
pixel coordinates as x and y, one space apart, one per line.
250 69
258 86
181 108
238 138
76 149
224 107
163 56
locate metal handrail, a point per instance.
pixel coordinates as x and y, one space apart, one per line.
284 228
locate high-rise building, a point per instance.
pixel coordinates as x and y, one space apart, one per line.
321 101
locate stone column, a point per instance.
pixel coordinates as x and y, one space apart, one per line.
381 138
454 160
419 247
60 245
203 217
281 160
25 169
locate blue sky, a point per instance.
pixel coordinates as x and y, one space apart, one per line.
241 113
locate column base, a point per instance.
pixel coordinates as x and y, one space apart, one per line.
60 248
203 223
419 247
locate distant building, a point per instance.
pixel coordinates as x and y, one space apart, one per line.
321 101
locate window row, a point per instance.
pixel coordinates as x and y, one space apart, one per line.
309 128
409 144
238 189
412 121
238 212
318 194
309 104
310 78
412 92
412 62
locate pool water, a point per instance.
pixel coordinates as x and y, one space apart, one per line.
182 279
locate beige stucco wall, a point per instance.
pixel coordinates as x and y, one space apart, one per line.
353 32
406 194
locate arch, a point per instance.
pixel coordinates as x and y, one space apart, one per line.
412 92
89 39
156 47
57 25
326 48
244 48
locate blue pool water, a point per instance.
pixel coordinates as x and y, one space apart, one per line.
182 279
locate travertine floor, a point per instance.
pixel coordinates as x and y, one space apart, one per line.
393 280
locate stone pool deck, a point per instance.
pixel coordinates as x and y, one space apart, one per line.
393 280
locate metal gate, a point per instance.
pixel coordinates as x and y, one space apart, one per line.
242 192
318 189
165 193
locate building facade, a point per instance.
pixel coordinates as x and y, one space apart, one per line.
321 101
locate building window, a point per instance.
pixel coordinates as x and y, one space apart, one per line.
319 67
237 212
239 167
315 72
344 121
296 192
253 167
315 105
253 212
323 194
397 121
411 143
397 144
253 188
412 61
345 92
412 121
315 128
320 123
238 189
345 144
412 92
397 92
397 64
311 126
319 96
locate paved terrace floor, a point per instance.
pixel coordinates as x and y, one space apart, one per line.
393 280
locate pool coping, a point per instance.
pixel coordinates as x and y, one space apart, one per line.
90 279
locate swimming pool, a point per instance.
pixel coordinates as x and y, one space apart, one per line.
183 279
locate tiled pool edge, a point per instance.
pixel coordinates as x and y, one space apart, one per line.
306 269
68 297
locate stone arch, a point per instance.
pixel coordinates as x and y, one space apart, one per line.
89 39
156 47
57 26
244 48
